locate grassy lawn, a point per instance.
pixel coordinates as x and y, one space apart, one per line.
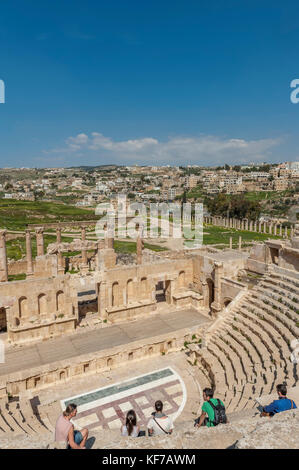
14 215
221 235
16 248
17 277
130 247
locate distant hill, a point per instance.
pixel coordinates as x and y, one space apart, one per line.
96 167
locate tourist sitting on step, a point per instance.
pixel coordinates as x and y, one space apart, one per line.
130 428
213 411
64 430
160 423
282 404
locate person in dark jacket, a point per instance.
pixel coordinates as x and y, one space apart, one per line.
282 404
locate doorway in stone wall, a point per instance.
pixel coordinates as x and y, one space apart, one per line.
3 320
211 291
160 292
87 308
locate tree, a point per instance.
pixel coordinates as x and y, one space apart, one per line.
233 206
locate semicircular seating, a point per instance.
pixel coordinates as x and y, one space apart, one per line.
249 352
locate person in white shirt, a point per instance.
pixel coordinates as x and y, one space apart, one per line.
160 423
130 428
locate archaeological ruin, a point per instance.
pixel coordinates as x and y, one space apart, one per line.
186 318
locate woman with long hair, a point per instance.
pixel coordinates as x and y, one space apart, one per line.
130 428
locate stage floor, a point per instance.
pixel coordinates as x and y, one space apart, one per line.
106 407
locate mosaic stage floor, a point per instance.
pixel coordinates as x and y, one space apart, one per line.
106 408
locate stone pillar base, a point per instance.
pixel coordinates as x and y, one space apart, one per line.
215 309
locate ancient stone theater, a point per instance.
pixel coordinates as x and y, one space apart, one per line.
111 334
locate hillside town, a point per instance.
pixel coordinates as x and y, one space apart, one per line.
89 185
275 186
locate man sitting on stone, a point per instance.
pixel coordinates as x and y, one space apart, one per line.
64 430
160 423
282 404
213 411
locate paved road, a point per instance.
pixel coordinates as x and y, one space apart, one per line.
74 345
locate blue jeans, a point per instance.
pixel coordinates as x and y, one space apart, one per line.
77 438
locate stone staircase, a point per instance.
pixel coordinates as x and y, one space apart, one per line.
18 417
247 352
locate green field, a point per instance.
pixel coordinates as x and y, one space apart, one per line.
16 248
267 195
130 247
221 235
14 215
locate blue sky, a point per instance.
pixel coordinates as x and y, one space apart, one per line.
148 82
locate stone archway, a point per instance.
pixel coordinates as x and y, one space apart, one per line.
130 291
23 307
42 304
115 295
181 279
227 301
60 301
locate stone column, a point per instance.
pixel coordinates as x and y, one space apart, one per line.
103 300
280 230
39 231
231 242
60 262
240 243
286 232
216 305
3 257
260 227
275 229
29 254
58 235
83 251
139 248
265 227
100 246
255 226
205 294
59 253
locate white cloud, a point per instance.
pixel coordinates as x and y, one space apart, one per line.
203 150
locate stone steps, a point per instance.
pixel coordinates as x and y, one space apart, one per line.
244 362
291 280
285 314
277 341
230 377
283 324
280 288
233 358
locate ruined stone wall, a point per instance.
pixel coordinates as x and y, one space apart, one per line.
38 304
97 362
289 258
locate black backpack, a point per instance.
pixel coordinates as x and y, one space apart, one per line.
219 412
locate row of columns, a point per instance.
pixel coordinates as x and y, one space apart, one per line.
253 226
40 247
